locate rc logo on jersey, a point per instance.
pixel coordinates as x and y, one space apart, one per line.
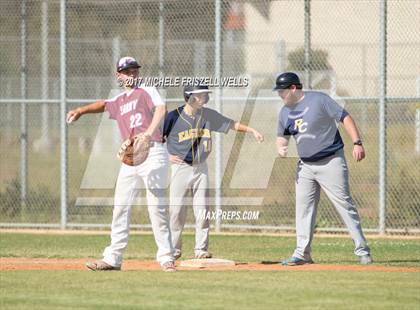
300 125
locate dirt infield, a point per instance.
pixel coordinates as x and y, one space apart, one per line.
132 265
414 236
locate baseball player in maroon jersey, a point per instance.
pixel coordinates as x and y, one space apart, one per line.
137 110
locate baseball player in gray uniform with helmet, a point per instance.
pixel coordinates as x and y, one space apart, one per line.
187 131
311 118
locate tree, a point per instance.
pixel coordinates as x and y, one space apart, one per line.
318 60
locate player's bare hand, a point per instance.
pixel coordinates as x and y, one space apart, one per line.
175 159
73 116
258 136
147 134
358 152
282 150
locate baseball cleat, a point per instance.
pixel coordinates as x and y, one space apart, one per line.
168 266
177 254
366 259
100 265
295 261
203 254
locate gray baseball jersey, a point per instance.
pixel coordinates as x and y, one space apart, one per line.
312 122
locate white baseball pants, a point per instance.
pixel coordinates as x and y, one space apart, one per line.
153 173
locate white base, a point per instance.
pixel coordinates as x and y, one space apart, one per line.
206 263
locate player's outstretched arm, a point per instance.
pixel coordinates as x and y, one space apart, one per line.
96 107
351 129
282 144
243 128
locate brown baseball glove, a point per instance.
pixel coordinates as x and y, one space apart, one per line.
134 151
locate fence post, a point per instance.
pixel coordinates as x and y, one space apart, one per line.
116 55
45 141
382 115
281 55
307 64
63 110
9 115
418 131
218 140
161 39
23 112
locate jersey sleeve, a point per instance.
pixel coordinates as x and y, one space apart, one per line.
111 106
333 109
167 126
219 122
281 130
155 96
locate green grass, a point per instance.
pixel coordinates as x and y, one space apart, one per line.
210 289
388 252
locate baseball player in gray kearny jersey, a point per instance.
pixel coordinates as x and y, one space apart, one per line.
310 117
187 131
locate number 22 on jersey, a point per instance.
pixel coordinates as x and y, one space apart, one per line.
135 120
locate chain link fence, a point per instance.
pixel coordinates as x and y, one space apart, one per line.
333 45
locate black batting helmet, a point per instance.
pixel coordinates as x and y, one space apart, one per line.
287 79
195 89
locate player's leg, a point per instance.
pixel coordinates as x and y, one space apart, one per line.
125 193
154 173
334 180
307 198
180 179
201 209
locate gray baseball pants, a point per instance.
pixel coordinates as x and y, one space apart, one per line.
186 178
331 175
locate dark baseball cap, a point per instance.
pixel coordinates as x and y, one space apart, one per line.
126 63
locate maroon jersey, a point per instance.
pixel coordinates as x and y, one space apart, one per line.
134 110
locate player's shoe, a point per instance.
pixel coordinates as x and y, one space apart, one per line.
295 261
168 266
366 259
203 255
100 265
177 255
